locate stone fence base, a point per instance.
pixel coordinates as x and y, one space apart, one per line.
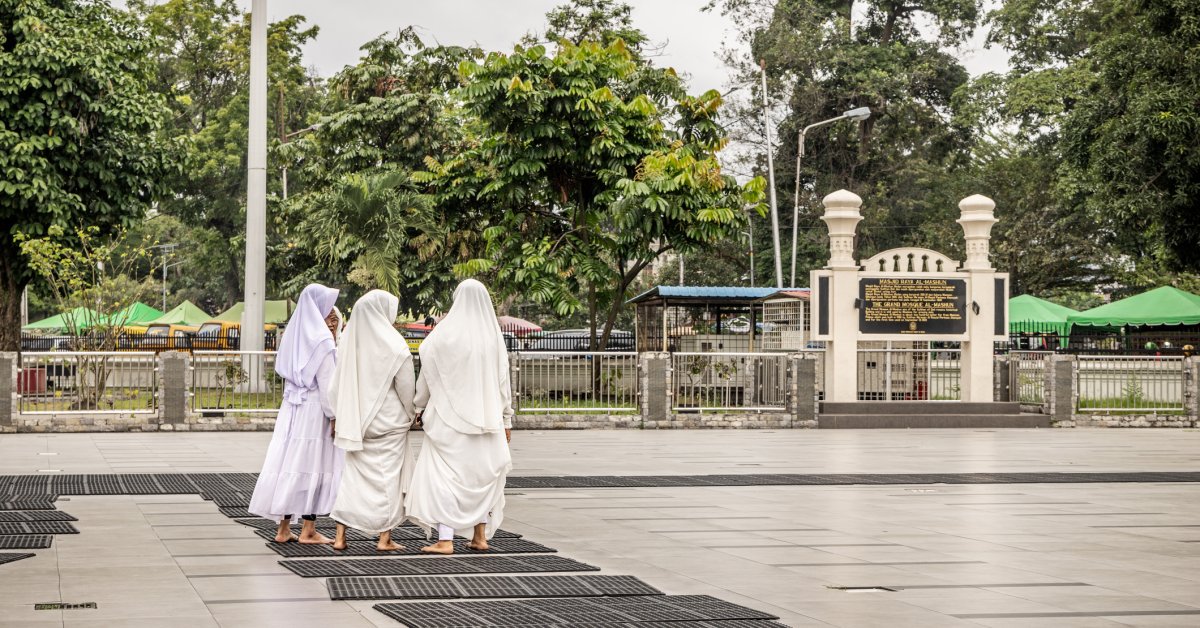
1128 420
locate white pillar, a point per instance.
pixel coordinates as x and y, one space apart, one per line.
977 359
841 354
256 184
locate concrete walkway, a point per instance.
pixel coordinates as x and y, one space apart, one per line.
955 555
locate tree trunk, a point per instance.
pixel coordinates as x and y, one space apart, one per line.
14 276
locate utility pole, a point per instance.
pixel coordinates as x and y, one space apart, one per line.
251 333
771 179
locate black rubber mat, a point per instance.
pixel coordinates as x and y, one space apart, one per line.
328 526
233 490
411 548
37 527
441 587
27 504
528 482
351 535
12 558
434 566
34 515
26 541
616 611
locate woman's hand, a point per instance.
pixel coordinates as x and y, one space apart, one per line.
333 428
508 434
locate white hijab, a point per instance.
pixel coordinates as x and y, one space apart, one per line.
370 354
465 363
306 340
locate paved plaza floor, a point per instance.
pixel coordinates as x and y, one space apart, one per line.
1005 555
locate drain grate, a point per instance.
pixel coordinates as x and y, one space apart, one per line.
37 527
434 566
690 610
435 587
63 606
411 548
12 558
19 516
26 541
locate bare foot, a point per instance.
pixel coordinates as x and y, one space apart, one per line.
316 538
388 546
279 538
479 545
339 546
441 547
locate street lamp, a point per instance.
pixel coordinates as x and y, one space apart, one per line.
750 239
285 140
771 179
858 115
256 184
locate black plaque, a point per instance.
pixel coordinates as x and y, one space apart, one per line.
823 306
912 306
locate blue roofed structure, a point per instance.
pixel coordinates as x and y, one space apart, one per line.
705 293
698 318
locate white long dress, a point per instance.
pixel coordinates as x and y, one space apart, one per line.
303 468
376 478
459 478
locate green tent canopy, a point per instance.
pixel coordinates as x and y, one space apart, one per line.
273 312
1031 315
1160 306
82 317
185 313
137 314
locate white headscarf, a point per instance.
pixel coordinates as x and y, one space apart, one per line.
465 363
370 354
306 339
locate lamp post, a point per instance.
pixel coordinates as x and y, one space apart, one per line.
166 249
285 140
858 115
771 180
256 184
750 239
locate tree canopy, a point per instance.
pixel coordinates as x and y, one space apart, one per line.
80 130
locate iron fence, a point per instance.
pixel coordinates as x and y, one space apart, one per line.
92 382
1130 384
235 382
909 373
1027 376
547 381
708 381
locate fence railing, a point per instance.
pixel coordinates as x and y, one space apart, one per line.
235 382
546 381
92 382
1027 376
729 381
926 374
1125 384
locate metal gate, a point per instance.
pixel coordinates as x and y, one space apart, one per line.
909 371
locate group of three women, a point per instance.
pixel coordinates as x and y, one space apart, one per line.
355 391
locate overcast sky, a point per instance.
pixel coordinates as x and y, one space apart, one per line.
692 38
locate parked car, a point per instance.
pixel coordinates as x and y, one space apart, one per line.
577 340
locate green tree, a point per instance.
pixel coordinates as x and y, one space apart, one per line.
1110 87
591 164
79 130
201 50
900 61
363 215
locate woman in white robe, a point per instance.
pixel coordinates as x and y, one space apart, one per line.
464 403
373 400
303 467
